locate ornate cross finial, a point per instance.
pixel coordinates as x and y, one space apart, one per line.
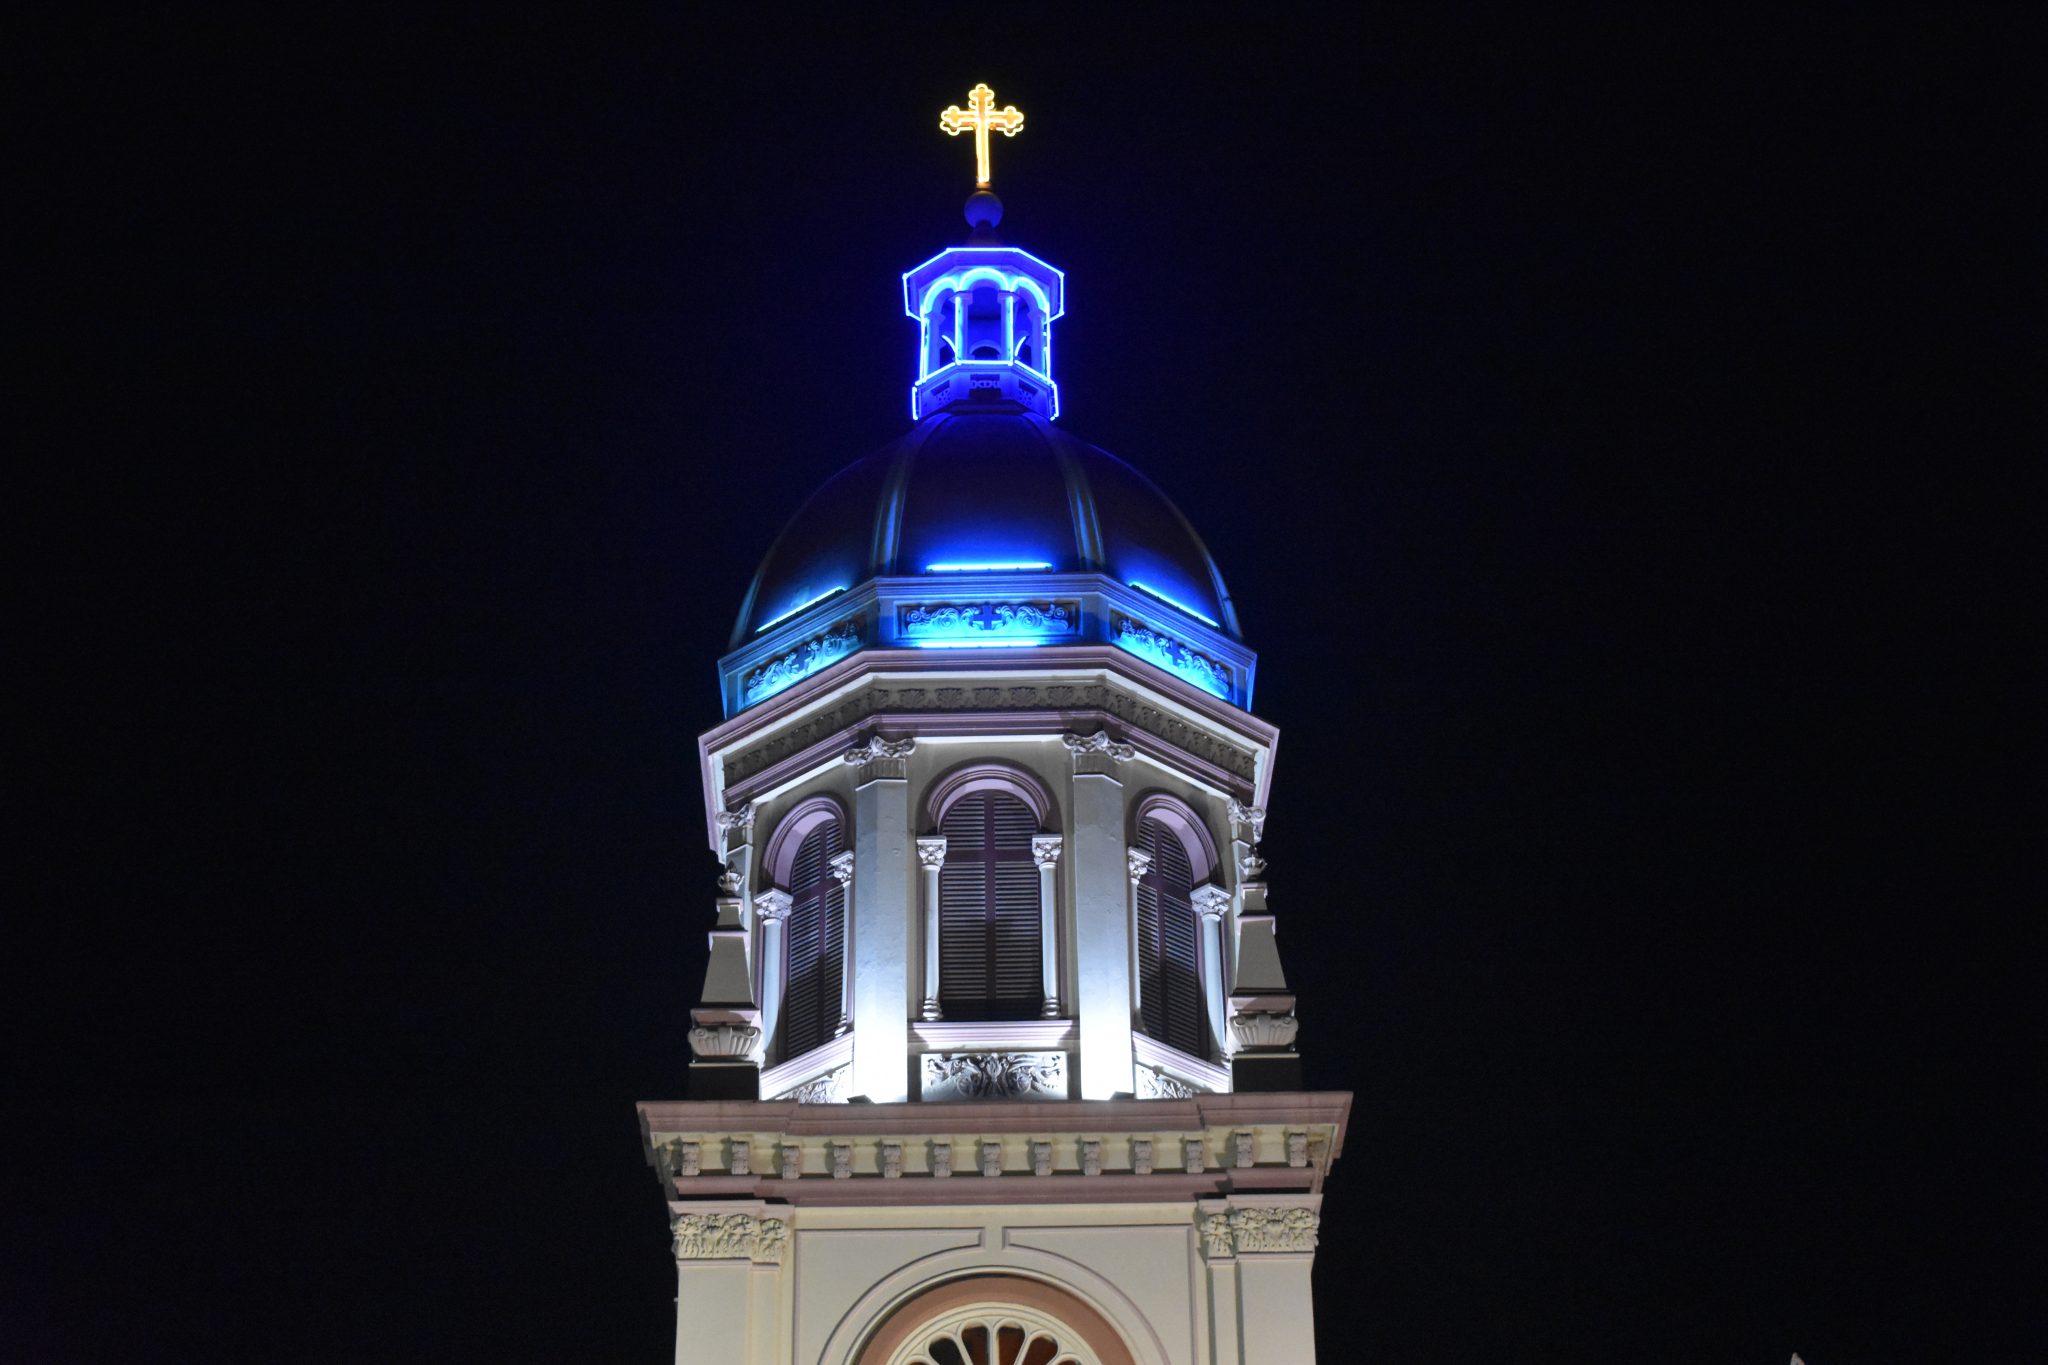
981 115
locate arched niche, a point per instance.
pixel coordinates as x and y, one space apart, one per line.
1187 826
805 816
1007 778
1046 1307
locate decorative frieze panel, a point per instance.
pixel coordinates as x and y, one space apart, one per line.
729 1237
1024 623
830 1087
1170 654
1113 701
994 1075
837 641
1255 1230
1154 1084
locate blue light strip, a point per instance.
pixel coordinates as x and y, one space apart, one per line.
801 606
1006 642
1180 606
989 567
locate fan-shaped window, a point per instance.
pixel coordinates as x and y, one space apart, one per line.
995 1335
989 965
817 942
1169 955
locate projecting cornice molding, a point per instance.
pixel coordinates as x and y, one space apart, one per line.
1224 748
1246 1146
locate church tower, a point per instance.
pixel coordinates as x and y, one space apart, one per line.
995 1059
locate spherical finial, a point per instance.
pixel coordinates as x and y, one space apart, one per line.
984 209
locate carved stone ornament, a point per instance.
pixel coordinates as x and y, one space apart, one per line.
1041 1158
739 820
991 1158
792 1161
1297 1149
931 851
1262 1031
772 906
842 1160
1154 1084
1253 817
1141 1156
876 747
724 1040
729 1237
1261 1229
1209 902
685 1158
1241 1149
979 621
827 1087
1138 862
841 866
742 1162
1170 654
994 1075
1251 866
1091 1156
1099 743
942 1160
729 881
1191 1155
892 1160
805 659
1045 849
1216 1236
1129 710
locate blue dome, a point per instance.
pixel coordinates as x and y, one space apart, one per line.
997 490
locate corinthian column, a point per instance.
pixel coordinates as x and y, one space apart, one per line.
1045 851
931 856
1210 902
842 869
771 908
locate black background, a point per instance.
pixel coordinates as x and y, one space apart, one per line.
1594 422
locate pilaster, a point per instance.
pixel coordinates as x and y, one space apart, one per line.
882 927
1097 877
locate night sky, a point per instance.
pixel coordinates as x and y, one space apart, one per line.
1594 422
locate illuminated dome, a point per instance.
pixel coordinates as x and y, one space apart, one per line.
986 488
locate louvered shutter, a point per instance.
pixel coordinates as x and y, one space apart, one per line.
816 939
989 965
1169 961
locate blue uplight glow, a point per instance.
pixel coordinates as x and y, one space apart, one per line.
1178 606
1007 642
1173 656
990 567
801 606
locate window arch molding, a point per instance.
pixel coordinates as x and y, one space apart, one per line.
1180 818
1009 779
1091 1331
791 831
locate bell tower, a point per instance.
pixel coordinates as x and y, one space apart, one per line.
995 1059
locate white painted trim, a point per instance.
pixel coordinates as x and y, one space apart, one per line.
1172 1060
993 1035
777 1080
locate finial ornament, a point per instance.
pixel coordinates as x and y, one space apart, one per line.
981 115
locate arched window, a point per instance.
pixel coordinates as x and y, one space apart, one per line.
996 1320
816 942
1170 1001
989 963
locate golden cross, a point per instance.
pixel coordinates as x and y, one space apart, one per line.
981 115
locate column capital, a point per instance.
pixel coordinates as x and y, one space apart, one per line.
1045 849
1099 743
874 747
931 851
1253 817
739 820
841 865
772 906
1138 862
1209 901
